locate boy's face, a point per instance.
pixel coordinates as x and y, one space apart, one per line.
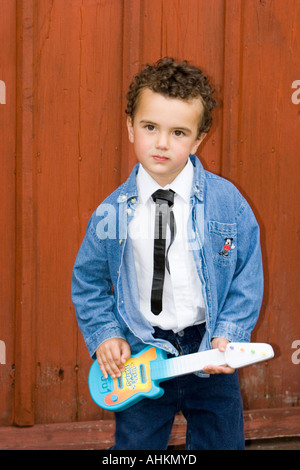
164 133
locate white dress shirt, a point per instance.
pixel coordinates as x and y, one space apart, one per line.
183 303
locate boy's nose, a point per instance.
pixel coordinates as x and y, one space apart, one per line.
162 141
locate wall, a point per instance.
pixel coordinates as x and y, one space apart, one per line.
66 66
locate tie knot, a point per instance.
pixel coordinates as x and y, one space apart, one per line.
161 196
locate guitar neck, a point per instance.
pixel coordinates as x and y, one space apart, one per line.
181 365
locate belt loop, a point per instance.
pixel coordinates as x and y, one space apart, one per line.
178 348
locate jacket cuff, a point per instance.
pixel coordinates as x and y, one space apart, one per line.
100 336
231 331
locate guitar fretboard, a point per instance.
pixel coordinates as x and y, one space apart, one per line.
182 365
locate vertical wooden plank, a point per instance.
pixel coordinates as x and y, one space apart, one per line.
26 222
7 213
151 41
233 58
102 123
131 61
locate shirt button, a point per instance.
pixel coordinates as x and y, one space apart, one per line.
180 333
133 200
128 211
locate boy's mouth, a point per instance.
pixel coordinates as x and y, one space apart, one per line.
160 158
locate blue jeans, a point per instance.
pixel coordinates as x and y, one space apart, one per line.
212 407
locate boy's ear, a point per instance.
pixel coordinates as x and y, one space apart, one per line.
198 142
130 129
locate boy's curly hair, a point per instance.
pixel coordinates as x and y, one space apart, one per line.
175 80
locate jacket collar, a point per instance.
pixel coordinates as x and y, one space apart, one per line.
129 189
199 178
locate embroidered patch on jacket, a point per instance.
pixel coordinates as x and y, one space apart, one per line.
227 247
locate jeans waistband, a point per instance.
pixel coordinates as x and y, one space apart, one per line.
186 341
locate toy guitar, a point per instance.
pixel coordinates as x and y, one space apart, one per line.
144 371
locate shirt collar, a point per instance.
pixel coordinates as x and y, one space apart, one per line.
181 185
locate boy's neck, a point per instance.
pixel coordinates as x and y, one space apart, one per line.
164 180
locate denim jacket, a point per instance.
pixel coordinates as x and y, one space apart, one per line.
224 237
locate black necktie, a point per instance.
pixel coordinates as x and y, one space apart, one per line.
164 200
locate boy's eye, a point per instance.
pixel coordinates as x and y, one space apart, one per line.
150 127
178 133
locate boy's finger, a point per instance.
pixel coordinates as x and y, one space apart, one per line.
210 369
125 353
107 365
102 368
113 365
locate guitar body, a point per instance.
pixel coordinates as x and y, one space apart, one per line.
134 384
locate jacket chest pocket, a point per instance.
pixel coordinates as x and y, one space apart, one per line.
223 239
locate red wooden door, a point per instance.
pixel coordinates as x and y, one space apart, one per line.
66 66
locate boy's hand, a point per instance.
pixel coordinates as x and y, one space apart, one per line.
112 355
221 344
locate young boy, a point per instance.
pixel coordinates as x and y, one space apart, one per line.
200 289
